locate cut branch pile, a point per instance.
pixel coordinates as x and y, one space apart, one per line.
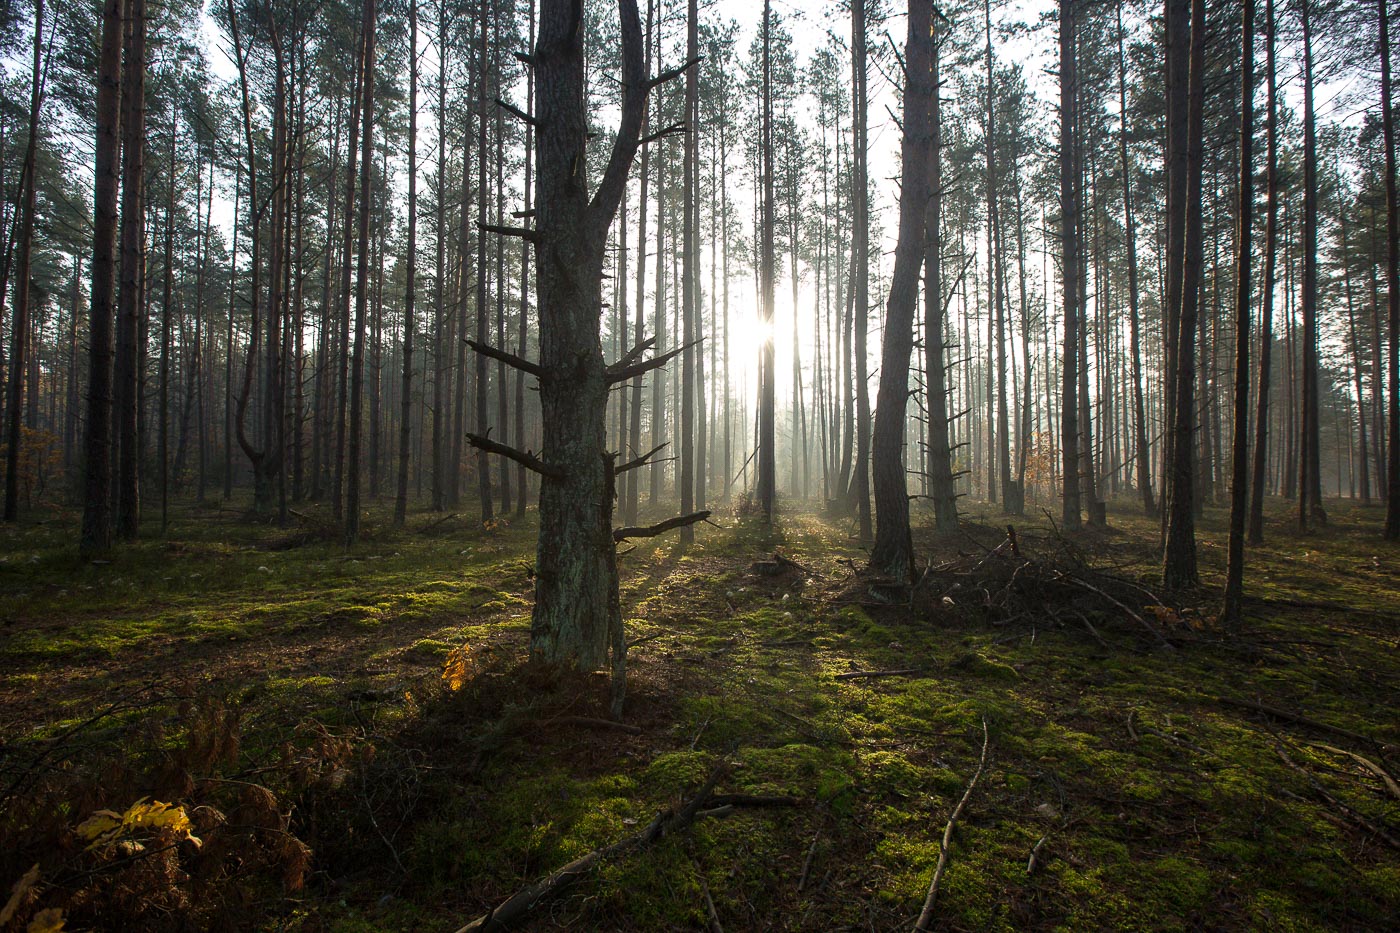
1006 585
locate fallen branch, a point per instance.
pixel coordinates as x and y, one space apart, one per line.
710 907
1278 713
1161 639
807 862
433 525
651 531
1034 860
518 907
1347 811
926 916
1369 765
859 675
595 723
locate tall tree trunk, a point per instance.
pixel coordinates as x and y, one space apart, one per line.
19 333
483 465
167 315
1310 510
1255 533
1070 516
690 273
1143 463
131 301
520 439
632 479
861 262
1244 232
767 452
1392 283
577 615
442 350
893 553
1179 556
411 275
357 359
939 466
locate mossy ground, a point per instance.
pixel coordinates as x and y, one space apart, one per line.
1161 805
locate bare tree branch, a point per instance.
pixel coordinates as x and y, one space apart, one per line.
525 233
510 359
618 374
674 73
516 112
643 460
651 531
523 457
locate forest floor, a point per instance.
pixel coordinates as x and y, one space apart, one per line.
357 741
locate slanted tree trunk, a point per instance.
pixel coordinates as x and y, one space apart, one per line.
1244 232
893 553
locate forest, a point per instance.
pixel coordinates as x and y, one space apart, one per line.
649 465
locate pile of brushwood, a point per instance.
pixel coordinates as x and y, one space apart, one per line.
1007 586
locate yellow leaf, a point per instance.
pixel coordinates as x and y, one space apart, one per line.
106 826
21 888
49 920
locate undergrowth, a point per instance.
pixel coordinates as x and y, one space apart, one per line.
357 743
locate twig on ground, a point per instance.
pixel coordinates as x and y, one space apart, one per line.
1278 713
715 926
926 916
1346 810
900 672
1034 860
807 862
519 906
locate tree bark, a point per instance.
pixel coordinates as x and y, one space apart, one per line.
577 615
1392 282
19 333
357 359
411 274
1255 532
127 378
1070 516
1179 557
1244 231
893 553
